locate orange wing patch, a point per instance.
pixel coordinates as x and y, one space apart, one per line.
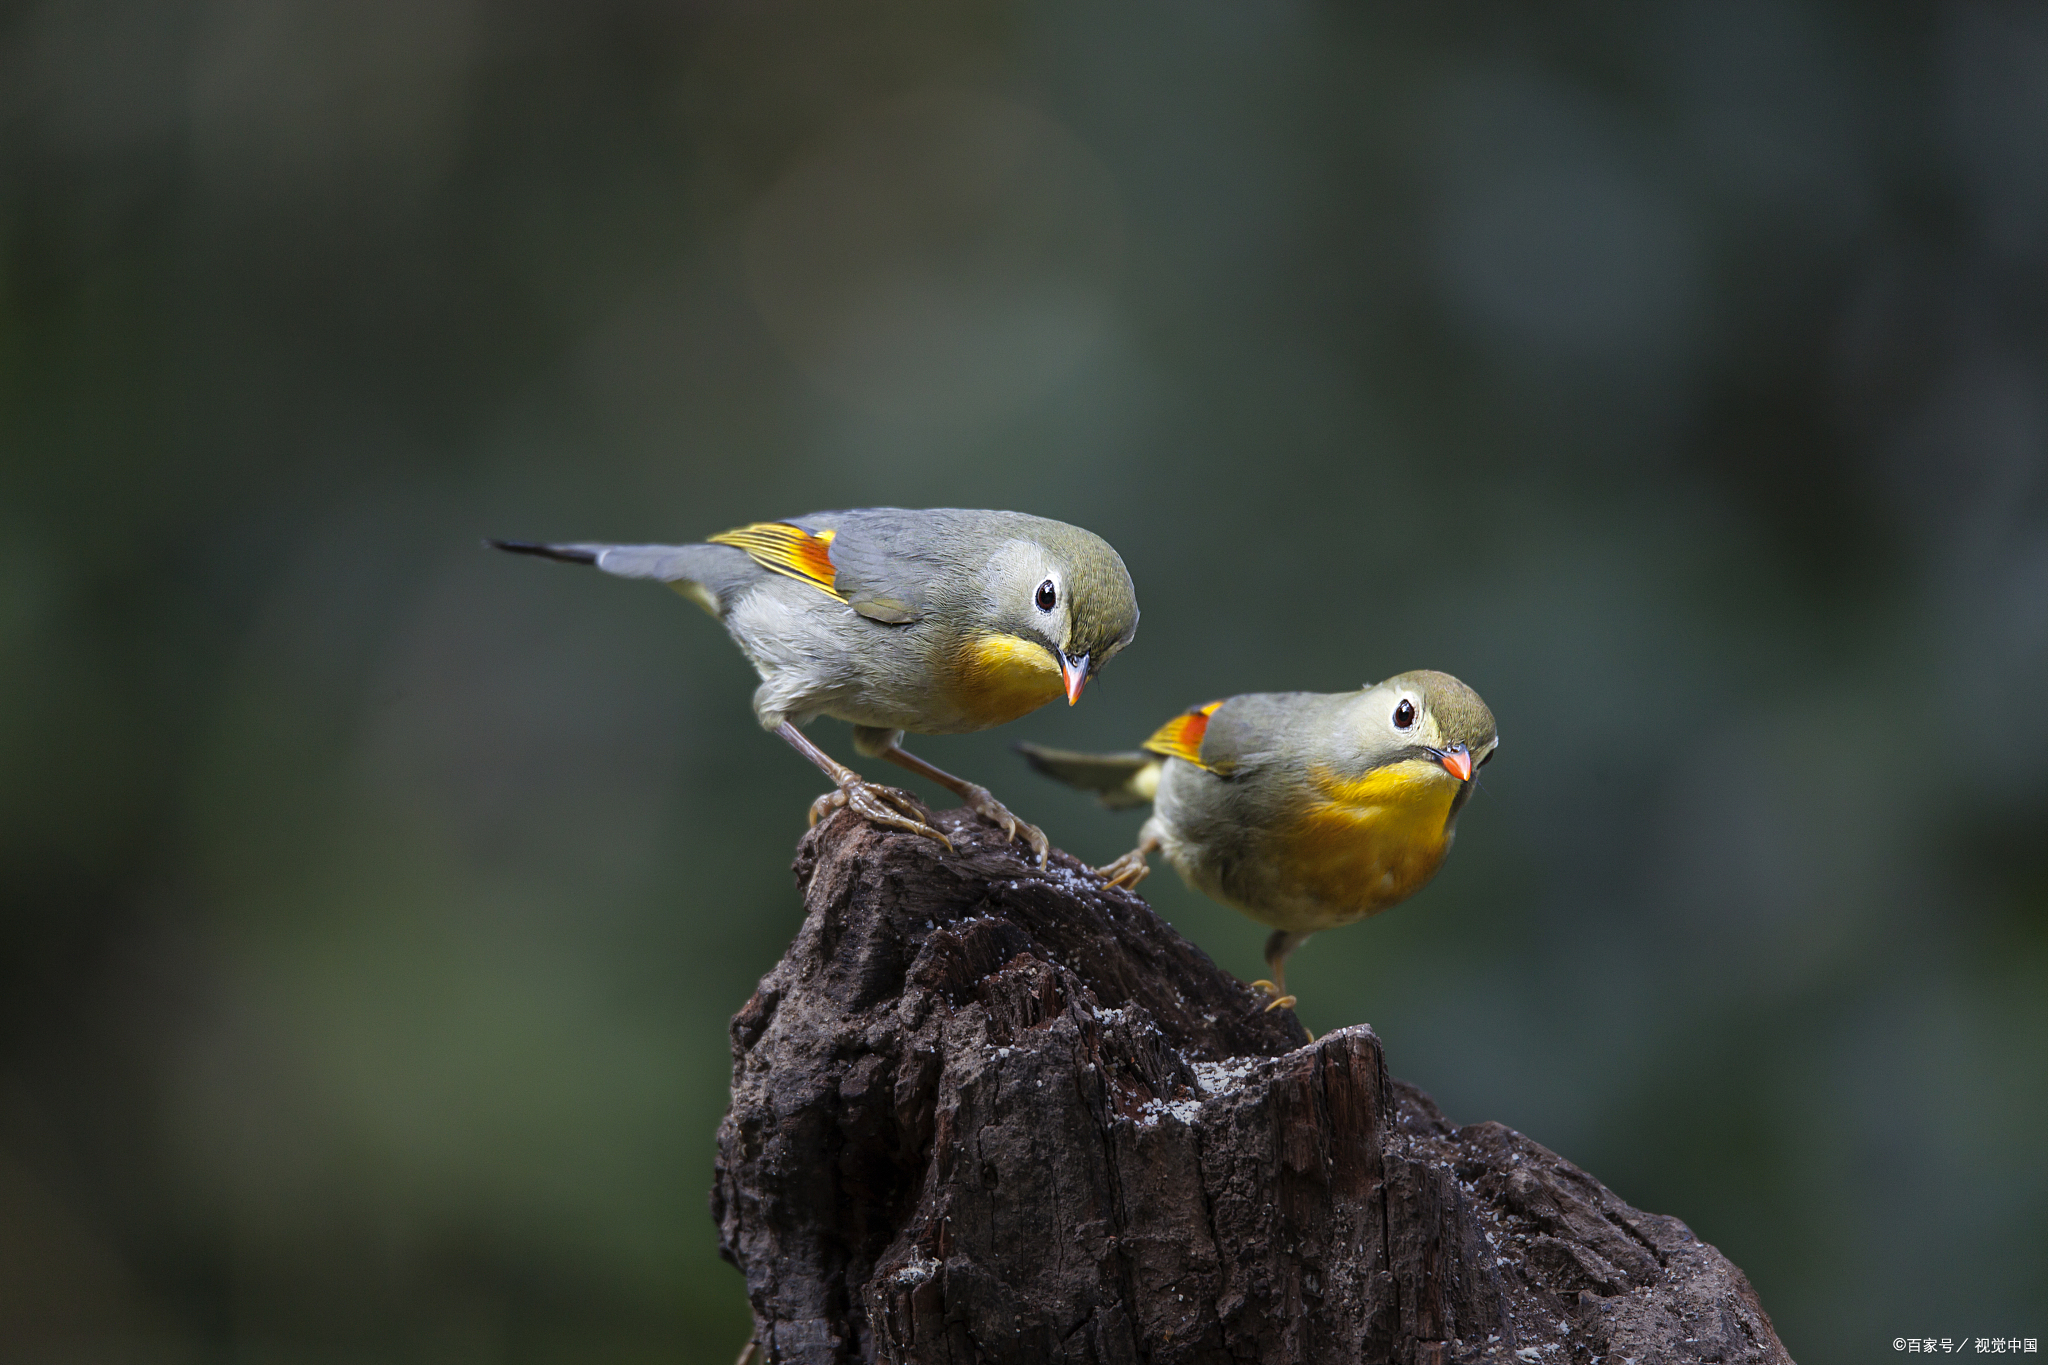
1181 737
787 549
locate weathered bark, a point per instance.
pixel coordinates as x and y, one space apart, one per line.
984 1112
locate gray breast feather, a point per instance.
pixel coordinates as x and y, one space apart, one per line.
816 658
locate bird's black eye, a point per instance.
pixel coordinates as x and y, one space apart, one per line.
1048 596
1404 714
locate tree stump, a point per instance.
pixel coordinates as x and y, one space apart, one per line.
986 1112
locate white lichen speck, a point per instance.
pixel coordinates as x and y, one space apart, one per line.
917 1272
1185 1111
1220 1078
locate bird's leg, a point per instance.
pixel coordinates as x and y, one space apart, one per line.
976 797
878 805
1132 868
1277 948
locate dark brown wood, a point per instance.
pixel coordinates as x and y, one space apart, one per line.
984 1112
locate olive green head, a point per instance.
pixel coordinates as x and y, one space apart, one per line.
1428 715
1064 588
1453 714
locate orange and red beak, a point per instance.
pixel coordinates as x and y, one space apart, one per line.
1074 671
1457 761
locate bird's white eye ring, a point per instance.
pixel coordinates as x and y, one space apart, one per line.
1048 596
1404 714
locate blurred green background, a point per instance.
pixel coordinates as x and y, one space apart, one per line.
1675 373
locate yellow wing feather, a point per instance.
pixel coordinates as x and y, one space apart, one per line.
788 550
1181 737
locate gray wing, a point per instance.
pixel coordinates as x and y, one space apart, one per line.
1246 731
885 558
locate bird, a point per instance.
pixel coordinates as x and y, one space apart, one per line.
935 621
1303 810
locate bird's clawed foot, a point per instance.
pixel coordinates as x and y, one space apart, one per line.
878 805
1126 871
978 800
1274 999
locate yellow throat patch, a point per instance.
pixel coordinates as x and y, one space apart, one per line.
1001 677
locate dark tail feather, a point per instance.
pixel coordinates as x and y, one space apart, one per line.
567 554
1118 780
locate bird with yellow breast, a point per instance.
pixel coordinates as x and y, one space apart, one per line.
937 622
1304 810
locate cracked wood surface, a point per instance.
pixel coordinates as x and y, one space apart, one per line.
985 1112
